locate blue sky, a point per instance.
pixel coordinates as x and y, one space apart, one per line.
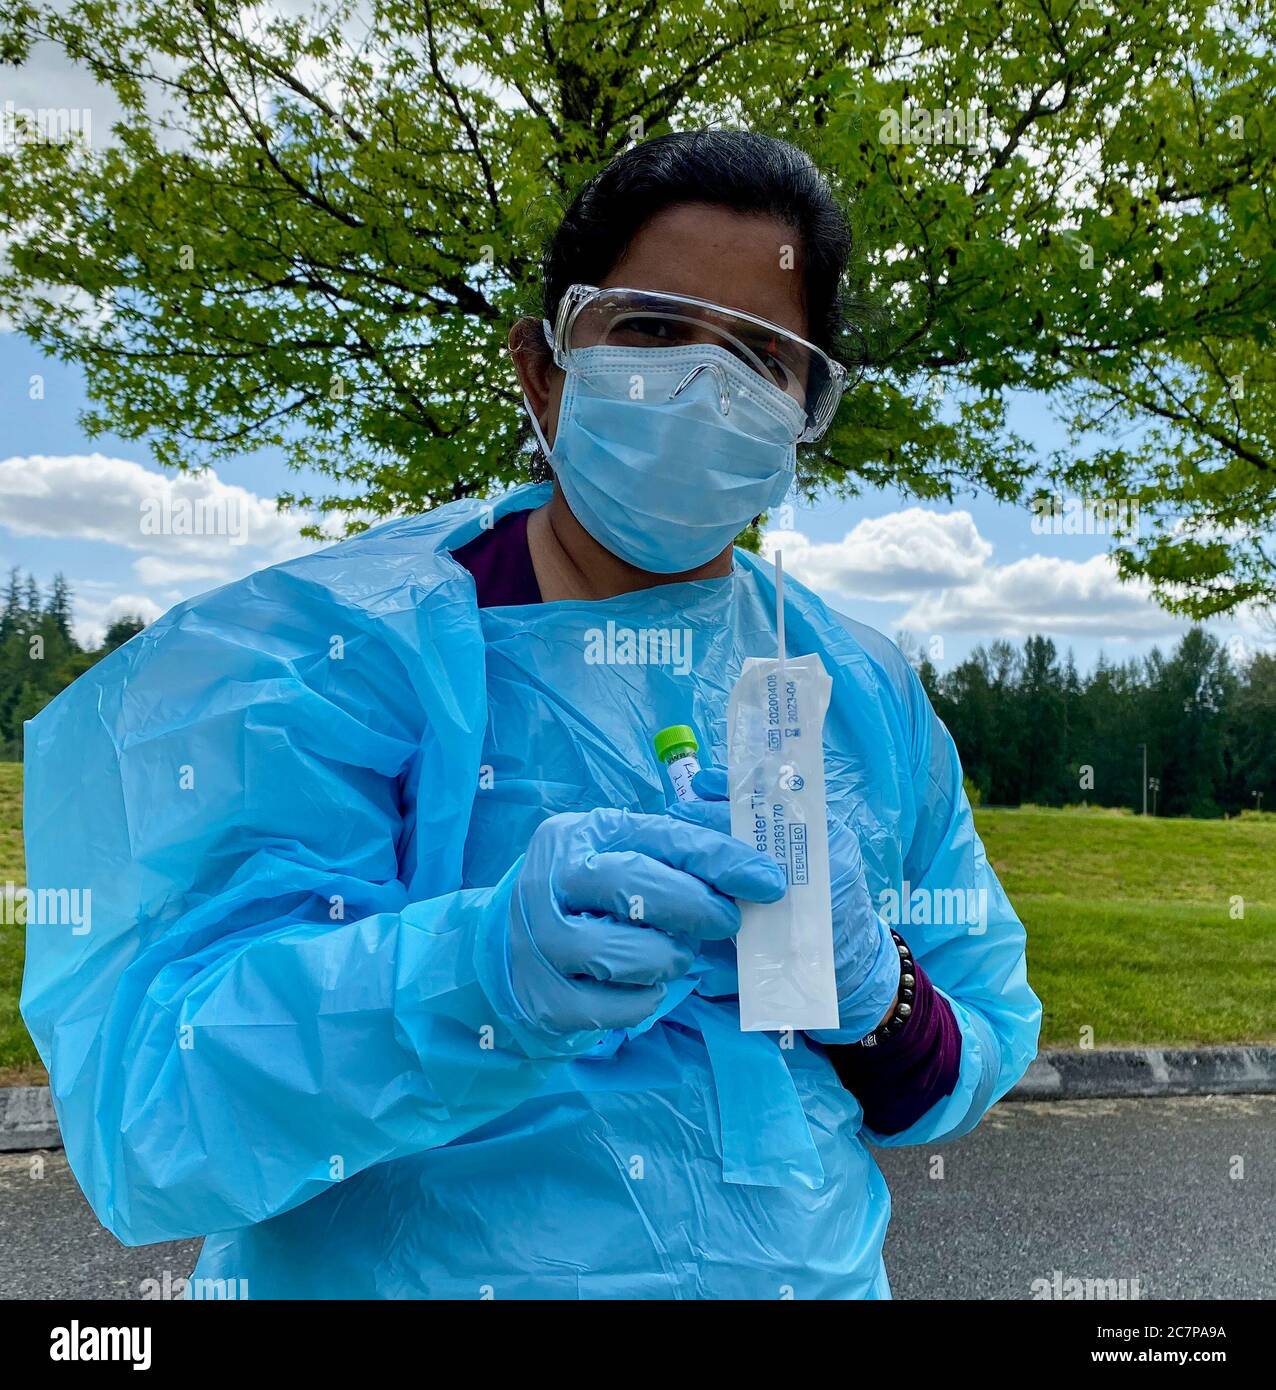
951 575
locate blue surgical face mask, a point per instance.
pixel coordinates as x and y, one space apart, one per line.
665 454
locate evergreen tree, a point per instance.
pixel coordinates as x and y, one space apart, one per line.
11 616
120 631
1192 691
1041 703
58 608
32 604
929 678
1251 735
1069 785
1029 730
39 655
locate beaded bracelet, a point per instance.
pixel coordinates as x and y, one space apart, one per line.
904 1008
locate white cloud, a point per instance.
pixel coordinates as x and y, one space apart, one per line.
1044 594
943 568
160 571
97 605
189 532
890 557
192 521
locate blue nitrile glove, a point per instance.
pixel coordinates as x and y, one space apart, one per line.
865 957
608 908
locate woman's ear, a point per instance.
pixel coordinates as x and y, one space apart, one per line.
537 372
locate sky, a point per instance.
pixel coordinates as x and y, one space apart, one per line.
951 576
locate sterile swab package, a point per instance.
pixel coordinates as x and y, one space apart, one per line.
775 764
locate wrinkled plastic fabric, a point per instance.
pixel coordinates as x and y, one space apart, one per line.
300 804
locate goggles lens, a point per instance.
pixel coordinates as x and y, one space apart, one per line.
645 319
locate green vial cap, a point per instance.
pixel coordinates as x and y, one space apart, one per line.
675 742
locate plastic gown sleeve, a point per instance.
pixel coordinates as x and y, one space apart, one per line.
975 957
257 1009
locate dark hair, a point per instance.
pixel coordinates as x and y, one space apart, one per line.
736 169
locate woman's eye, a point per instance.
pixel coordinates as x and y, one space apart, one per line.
761 357
640 330
780 374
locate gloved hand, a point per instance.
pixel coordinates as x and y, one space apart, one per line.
866 959
608 908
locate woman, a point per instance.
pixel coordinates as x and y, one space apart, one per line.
366 998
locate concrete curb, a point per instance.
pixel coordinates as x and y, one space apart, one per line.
1149 1071
27 1120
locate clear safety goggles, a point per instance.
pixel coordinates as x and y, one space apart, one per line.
589 317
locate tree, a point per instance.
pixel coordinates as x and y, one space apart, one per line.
1252 733
964 702
1007 762
1045 744
39 655
121 630
313 230
1189 700
1074 732
1025 729
929 678
11 615
58 609
32 603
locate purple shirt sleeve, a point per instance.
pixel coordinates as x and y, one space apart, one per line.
899 1080
501 562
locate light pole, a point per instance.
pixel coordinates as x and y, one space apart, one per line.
1145 777
1155 784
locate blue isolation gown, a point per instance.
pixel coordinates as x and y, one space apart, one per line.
300 803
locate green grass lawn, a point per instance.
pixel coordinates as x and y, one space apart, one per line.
18 1061
1129 923
1129 928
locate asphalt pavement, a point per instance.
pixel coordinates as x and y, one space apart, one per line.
1178 1194
1174 1197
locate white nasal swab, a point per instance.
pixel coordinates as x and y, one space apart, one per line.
779 610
